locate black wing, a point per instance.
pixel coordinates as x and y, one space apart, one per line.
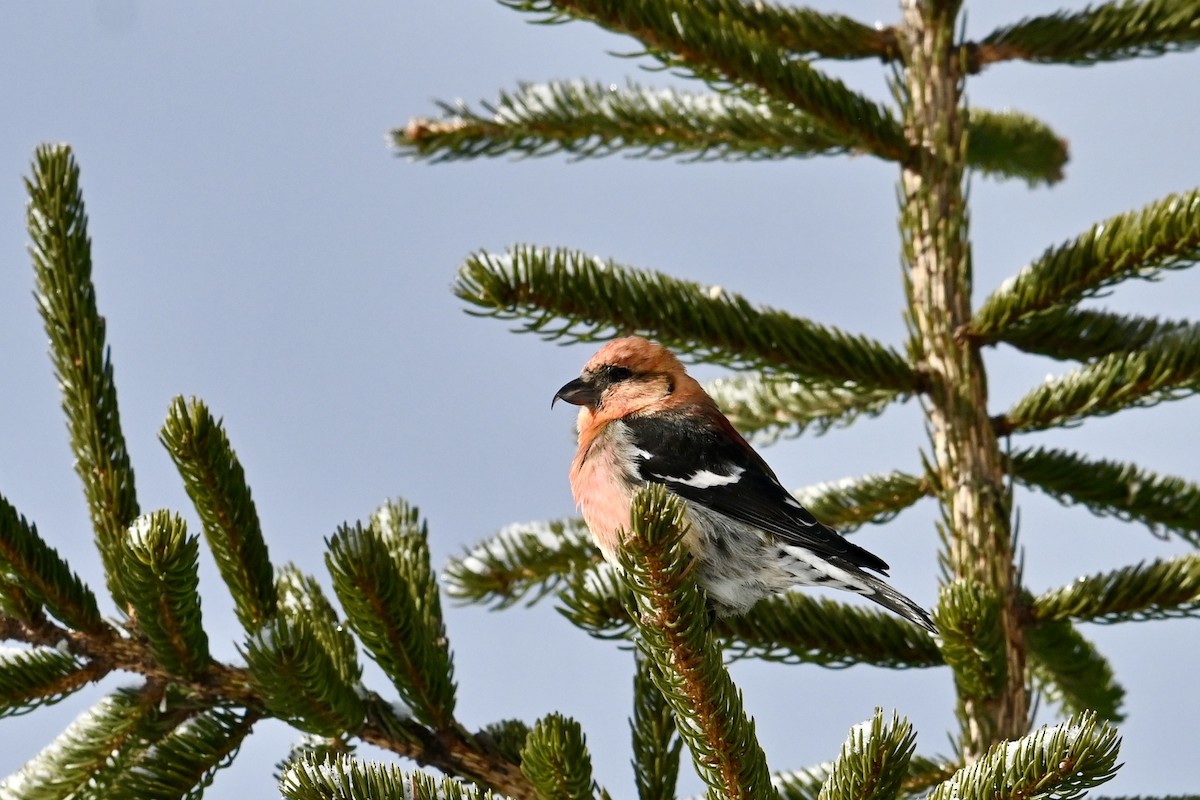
713 466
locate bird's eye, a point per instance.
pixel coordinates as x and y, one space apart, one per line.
618 374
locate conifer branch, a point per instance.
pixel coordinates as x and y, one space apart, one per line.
386 725
656 742
597 601
1069 670
299 681
767 409
1085 334
39 677
801 784
66 298
301 597
565 294
1057 761
344 778
556 761
162 584
1165 504
505 737
791 628
1161 589
968 617
1137 244
216 483
721 44
924 773
594 120
382 578
1166 369
850 503
672 622
524 558
806 784
1107 32
38 574
1008 144
94 749
873 761
185 761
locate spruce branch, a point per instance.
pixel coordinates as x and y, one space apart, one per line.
766 408
806 784
66 299
299 681
95 749
726 44
386 725
1069 671
39 677
597 601
162 584
216 483
1162 589
565 294
873 761
1137 244
1168 368
656 742
1163 503
532 558
313 748
1107 32
791 628
801 784
344 778
594 120
382 578
672 624
184 762
301 597
1009 144
1085 334
875 499
1058 761
968 617
35 576
556 761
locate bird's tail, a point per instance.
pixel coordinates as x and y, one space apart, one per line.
892 600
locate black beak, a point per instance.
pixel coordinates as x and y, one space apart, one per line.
578 393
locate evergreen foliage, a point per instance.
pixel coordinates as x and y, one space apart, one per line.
162 582
217 486
34 577
556 761
656 742
1105 32
566 294
66 298
684 662
184 714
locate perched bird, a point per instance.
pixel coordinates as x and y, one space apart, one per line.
643 420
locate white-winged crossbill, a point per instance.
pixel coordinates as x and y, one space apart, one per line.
644 420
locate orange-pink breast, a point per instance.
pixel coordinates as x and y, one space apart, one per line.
602 492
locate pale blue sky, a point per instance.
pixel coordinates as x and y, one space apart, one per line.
258 245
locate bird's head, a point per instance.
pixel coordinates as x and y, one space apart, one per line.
629 376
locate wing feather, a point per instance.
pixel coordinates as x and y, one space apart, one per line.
711 465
